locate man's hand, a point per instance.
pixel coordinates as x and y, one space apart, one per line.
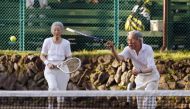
135 71
110 45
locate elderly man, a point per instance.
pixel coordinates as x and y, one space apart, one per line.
147 75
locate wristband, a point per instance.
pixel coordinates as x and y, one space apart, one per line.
46 62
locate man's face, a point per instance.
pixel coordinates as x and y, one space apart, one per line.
133 42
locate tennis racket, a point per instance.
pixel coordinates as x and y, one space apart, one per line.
70 65
96 39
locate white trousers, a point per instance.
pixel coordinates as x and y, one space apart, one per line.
147 102
56 79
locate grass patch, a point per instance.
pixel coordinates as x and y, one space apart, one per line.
11 52
174 55
91 53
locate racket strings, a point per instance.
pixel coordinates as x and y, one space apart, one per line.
69 66
73 64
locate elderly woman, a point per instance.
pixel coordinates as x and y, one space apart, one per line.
54 50
147 75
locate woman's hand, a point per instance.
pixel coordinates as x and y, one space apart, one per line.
51 66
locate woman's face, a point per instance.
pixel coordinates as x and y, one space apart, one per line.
57 31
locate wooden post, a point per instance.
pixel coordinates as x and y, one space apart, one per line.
165 20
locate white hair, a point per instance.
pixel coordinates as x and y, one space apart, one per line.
57 24
136 34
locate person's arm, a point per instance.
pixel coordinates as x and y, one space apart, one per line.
110 45
118 57
150 60
43 57
68 53
44 53
146 70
